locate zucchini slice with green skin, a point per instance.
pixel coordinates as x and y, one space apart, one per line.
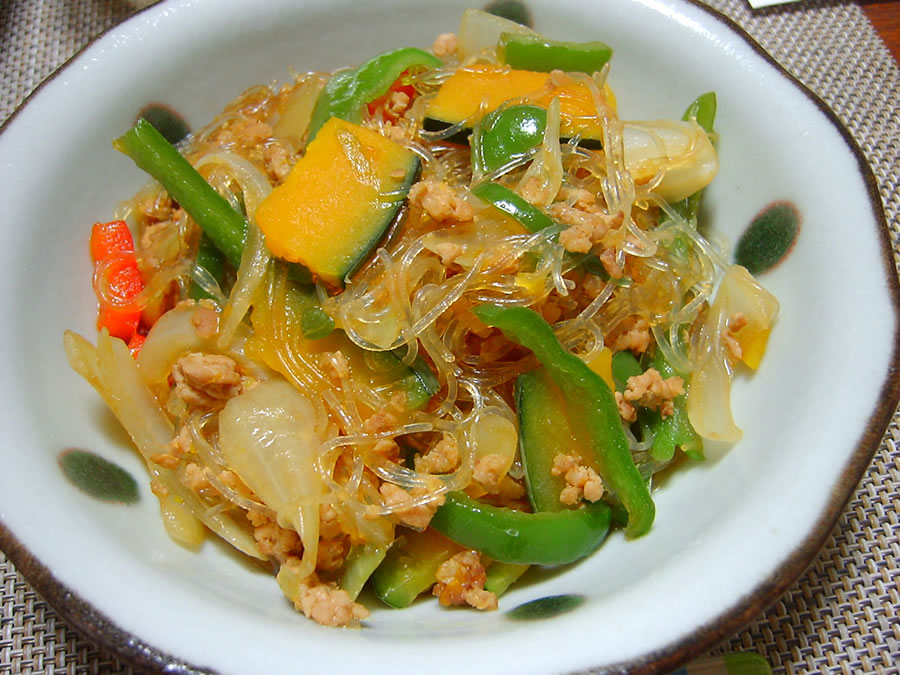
500 576
544 431
410 567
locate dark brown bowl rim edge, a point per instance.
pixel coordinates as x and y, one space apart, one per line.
134 651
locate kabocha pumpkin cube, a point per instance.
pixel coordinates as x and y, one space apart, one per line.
338 200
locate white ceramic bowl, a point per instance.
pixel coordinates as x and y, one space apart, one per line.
731 533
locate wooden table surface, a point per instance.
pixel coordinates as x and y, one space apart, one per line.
885 16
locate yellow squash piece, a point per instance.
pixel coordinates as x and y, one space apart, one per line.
461 95
338 200
601 364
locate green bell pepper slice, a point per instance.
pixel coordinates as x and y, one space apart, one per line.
525 51
669 432
501 197
675 430
347 91
507 134
590 400
624 365
522 538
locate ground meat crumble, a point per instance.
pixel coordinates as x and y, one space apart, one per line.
325 603
416 517
461 582
489 471
633 333
737 321
443 457
441 202
203 380
650 390
582 482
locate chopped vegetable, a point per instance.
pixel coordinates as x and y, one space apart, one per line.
535 52
675 430
410 567
348 91
151 152
480 32
545 430
477 90
680 152
703 111
112 251
590 399
500 576
506 136
504 199
338 200
523 538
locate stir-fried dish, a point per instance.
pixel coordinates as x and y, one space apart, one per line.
421 323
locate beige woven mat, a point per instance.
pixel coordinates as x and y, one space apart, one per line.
841 616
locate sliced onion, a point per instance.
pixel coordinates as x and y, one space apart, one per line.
267 435
546 169
680 153
709 397
170 338
250 275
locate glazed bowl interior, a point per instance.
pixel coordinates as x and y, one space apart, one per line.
730 531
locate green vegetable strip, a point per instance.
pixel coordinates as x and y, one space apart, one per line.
703 110
550 538
154 154
532 218
224 227
347 91
303 303
624 365
544 431
590 400
500 576
676 429
410 567
421 383
210 259
525 51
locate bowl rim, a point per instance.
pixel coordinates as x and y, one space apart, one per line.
130 648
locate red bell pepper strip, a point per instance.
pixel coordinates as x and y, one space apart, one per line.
123 279
135 343
385 99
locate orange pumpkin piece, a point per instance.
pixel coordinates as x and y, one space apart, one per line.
338 200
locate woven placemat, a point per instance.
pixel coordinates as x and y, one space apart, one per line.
841 615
